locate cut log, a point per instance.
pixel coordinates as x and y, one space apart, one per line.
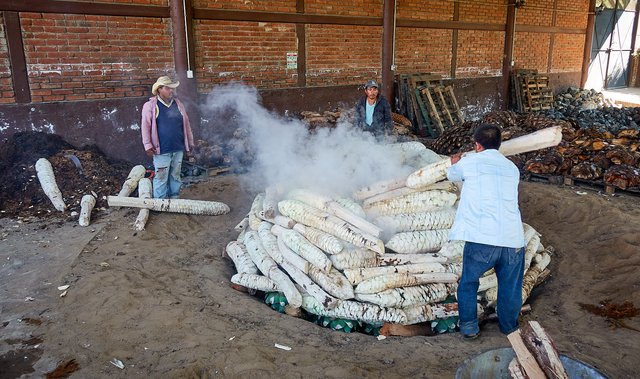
385 282
318 219
525 358
136 173
408 296
404 259
544 350
439 218
540 139
357 275
326 204
356 257
145 191
430 312
197 207
423 241
241 259
44 170
403 191
270 202
291 257
269 268
516 371
242 225
416 202
86 206
353 310
256 207
254 281
325 241
296 242
379 187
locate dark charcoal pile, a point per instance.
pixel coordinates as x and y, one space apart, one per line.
584 153
589 109
20 192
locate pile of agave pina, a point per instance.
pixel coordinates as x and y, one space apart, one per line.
381 256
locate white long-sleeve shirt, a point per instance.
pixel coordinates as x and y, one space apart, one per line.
488 211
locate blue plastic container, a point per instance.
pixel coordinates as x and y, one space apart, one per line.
494 364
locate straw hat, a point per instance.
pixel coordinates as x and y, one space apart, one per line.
163 81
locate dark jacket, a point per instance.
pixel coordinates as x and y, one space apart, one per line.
382 123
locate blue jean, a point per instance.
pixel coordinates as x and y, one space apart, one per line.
509 267
166 181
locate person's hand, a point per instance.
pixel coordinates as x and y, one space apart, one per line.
455 158
151 152
190 157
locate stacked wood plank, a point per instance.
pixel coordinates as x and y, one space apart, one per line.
430 105
381 256
530 91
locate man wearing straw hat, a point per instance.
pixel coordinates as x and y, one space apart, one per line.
166 135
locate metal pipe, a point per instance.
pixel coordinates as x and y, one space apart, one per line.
388 37
588 41
508 50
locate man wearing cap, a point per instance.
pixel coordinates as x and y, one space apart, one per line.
373 112
166 135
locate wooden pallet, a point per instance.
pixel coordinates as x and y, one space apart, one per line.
442 106
412 105
530 91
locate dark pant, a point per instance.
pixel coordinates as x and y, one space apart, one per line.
509 267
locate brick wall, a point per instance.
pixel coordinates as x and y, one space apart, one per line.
535 12
79 57
343 54
252 52
487 11
423 50
531 50
248 5
425 10
479 53
567 53
369 8
572 13
6 86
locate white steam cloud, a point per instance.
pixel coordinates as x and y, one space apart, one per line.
338 160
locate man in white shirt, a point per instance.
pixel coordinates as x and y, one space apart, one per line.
488 220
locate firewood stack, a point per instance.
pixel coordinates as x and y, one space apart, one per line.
327 119
590 154
381 256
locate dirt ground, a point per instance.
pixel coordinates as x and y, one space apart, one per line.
161 302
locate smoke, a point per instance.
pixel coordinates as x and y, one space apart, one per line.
329 160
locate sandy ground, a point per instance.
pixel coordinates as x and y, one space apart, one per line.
163 304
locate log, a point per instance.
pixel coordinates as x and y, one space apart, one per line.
515 370
86 206
198 207
270 202
544 350
390 259
389 329
535 141
136 173
145 191
379 187
44 170
526 359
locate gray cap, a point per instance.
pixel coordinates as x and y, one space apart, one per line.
371 83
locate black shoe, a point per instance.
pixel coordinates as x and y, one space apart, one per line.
470 337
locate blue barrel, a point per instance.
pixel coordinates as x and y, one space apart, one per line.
494 364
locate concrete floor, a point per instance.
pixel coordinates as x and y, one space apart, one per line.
628 97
